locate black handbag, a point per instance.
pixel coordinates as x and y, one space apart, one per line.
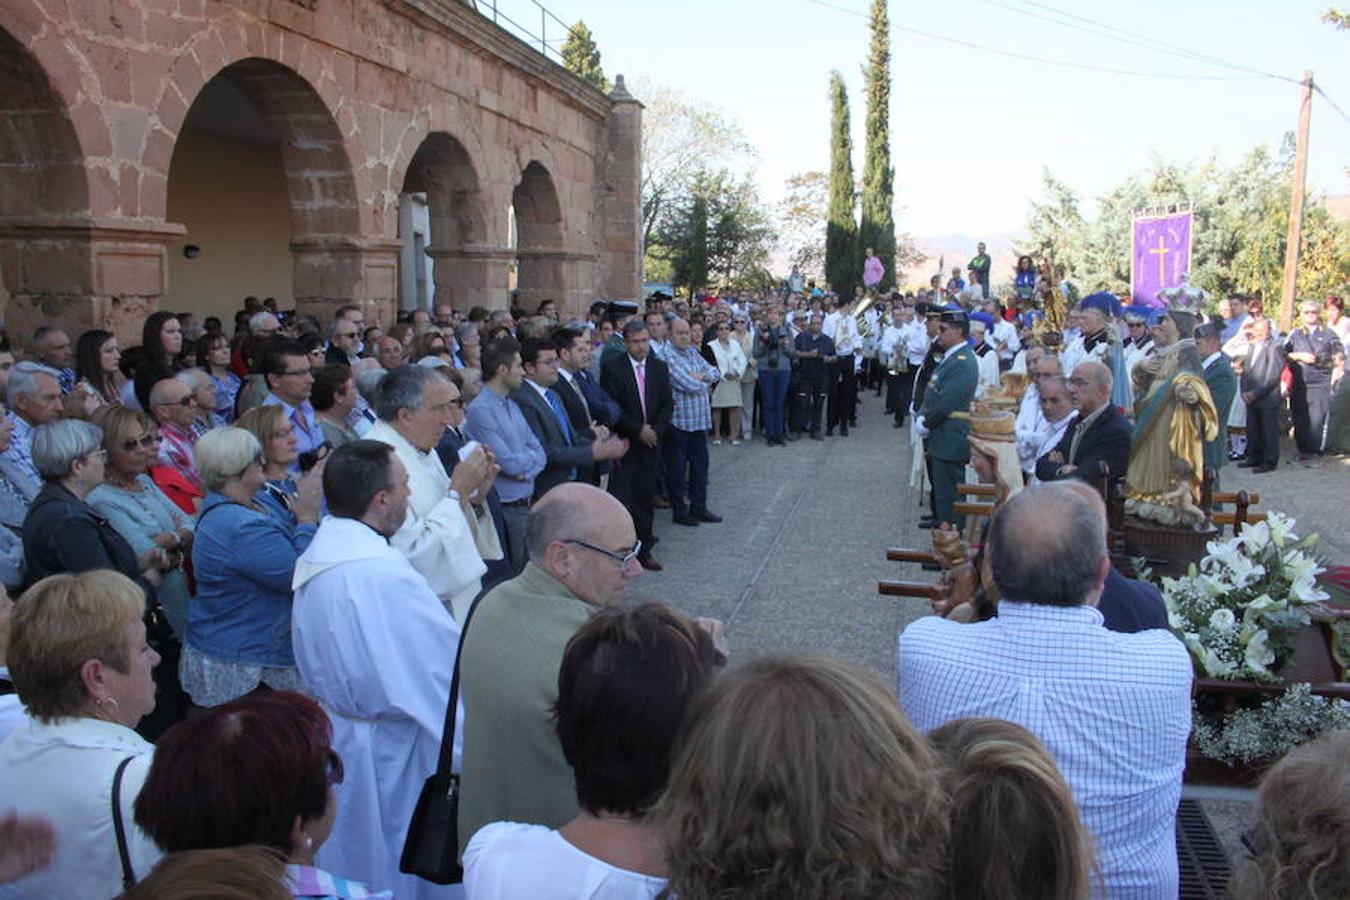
431 849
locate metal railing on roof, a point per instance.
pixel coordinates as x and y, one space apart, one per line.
510 15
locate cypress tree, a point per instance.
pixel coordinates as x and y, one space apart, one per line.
581 57
877 229
841 229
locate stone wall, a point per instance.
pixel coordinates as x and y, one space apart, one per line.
94 93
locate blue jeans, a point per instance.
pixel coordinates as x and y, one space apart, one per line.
773 388
686 459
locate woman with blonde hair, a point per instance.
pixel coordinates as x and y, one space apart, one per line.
283 495
1015 831
80 663
799 777
1299 847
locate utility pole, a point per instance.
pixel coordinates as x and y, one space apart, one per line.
1297 190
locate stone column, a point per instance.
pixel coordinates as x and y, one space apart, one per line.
96 273
472 275
619 199
336 271
565 276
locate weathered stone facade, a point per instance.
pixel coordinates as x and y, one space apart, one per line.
367 99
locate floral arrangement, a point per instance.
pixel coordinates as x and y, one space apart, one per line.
1270 729
1236 610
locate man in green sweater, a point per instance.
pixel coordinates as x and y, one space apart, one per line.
583 551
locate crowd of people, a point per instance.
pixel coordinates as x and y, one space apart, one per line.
249 568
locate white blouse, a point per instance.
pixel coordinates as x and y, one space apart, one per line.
64 772
508 860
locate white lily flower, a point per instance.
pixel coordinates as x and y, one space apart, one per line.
1223 620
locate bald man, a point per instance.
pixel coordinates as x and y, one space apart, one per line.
1113 709
1101 435
583 552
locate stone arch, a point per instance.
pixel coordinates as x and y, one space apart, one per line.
542 259
443 215
328 262
44 199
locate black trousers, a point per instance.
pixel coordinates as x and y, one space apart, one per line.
843 393
1263 434
902 386
814 406
633 483
1309 406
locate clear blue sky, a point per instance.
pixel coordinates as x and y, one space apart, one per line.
970 130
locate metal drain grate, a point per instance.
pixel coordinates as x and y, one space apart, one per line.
1200 856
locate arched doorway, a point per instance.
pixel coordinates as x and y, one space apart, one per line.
538 222
44 199
261 180
442 228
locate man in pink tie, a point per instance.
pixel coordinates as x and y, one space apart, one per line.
640 383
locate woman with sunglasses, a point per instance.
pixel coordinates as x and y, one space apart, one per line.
726 396
256 771
741 334
139 511
239 624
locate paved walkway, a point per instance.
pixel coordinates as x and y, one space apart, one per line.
795 564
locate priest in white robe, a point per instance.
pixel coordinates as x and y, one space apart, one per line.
415 406
377 648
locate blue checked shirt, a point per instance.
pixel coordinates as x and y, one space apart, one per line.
1114 710
693 398
20 455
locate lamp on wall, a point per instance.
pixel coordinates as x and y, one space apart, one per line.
192 251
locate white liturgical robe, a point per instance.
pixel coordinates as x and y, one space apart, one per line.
436 537
377 649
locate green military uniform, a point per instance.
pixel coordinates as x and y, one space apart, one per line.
946 415
1223 387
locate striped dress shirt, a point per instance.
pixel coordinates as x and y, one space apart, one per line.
1114 710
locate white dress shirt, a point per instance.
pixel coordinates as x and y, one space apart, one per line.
1113 709
64 771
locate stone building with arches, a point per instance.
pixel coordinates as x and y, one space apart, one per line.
183 154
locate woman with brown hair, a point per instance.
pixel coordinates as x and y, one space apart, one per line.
799 777
1299 846
1016 833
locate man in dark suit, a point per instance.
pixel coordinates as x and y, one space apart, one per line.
640 384
1223 386
570 455
1261 392
588 407
1101 433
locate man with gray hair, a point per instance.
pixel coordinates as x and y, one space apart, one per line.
1113 709
1100 434
414 406
55 350
33 395
583 552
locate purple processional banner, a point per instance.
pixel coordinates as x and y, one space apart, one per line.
1159 255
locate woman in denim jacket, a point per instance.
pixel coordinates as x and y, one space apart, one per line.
239 623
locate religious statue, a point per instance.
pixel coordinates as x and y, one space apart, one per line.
1181 496
1174 416
1184 296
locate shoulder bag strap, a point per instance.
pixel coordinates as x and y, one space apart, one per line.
446 760
128 876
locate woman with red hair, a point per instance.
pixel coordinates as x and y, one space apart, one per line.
258 770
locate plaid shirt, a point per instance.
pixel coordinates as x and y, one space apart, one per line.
176 452
1114 710
20 454
693 397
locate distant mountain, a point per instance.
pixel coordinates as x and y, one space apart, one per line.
956 250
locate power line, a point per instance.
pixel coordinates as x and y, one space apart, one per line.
1150 41
1318 89
1012 54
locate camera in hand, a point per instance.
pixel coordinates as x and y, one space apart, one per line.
310 458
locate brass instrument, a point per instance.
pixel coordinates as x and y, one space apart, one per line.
864 327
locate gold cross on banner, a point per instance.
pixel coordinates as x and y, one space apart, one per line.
1161 252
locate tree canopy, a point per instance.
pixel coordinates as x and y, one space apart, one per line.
581 56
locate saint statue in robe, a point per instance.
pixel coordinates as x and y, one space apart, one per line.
1173 419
